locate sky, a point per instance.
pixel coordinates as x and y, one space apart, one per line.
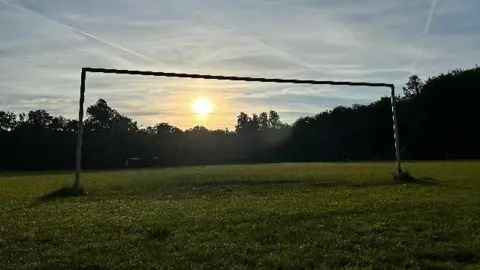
44 44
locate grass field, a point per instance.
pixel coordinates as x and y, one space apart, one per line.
350 215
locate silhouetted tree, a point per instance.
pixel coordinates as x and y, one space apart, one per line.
8 120
264 124
254 123
242 122
39 118
413 87
274 120
100 116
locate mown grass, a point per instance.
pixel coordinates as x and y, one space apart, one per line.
345 215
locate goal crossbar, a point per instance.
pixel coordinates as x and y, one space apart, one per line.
221 78
230 78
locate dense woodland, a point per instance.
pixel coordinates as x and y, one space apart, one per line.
438 119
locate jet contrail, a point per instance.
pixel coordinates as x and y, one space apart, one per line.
285 54
101 40
430 16
425 30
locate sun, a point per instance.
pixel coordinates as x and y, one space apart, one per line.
202 106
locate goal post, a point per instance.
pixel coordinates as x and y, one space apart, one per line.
83 78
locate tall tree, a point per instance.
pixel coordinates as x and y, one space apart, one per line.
59 123
8 120
413 87
263 121
274 120
100 115
242 122
163 129
254 123
39 118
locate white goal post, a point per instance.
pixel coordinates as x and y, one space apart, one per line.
76 185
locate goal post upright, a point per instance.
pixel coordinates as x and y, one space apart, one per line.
395 131
78 160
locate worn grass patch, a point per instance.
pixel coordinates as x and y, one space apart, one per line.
349 215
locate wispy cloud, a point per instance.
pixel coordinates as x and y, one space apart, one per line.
425 31
114 45
285 54
43 45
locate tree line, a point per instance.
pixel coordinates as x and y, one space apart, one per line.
437 120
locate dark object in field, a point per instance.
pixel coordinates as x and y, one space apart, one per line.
64 192
405 176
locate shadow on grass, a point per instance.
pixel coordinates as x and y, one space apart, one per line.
229 187
65 192
62 193
406 177
330 184
425 181
10 174
258 187
158 234
252 183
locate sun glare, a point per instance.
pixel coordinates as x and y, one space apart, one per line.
202 106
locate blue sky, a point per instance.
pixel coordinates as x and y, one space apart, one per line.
43 45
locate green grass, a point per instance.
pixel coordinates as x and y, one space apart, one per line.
345 215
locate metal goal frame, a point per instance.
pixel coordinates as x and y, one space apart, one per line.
83 79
